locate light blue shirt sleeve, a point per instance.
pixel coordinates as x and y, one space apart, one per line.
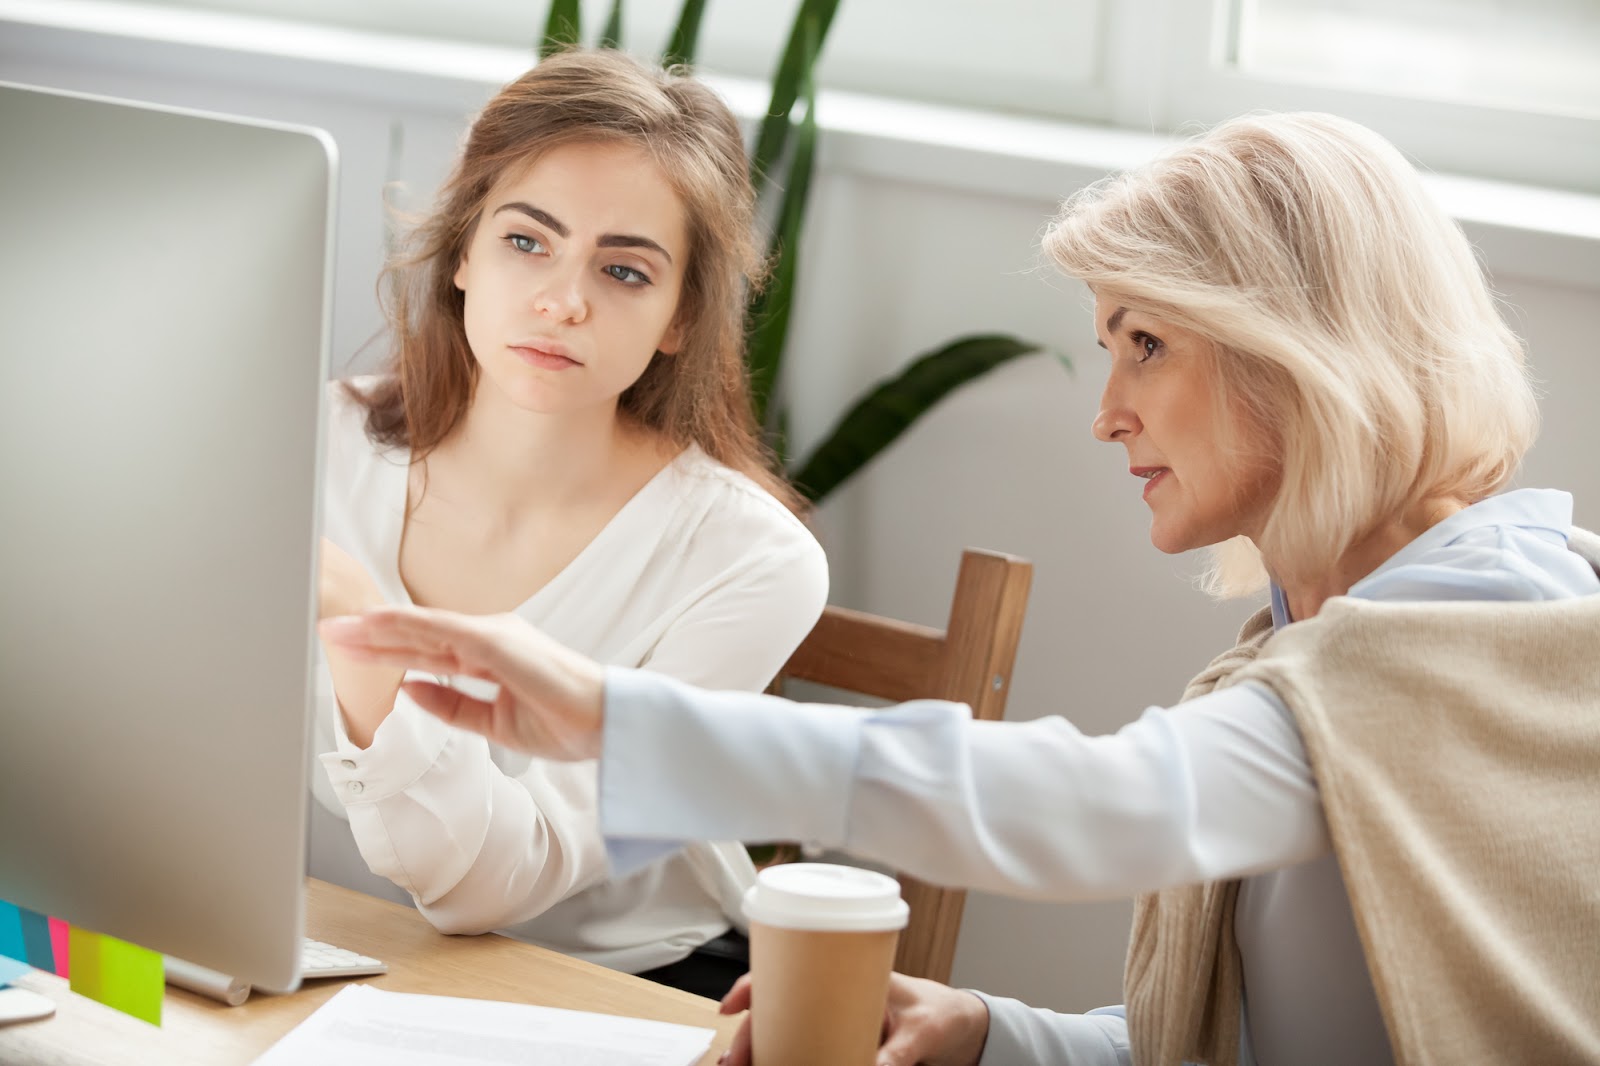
1034 809
1020 1035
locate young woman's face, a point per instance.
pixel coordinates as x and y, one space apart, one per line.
1159 405
572 276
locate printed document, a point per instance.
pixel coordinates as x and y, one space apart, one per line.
365 1026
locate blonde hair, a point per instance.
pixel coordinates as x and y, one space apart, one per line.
1355 334
700 394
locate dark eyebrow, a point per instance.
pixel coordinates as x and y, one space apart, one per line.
544 218
609 240
1112 323
623 240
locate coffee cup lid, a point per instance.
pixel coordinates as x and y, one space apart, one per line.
824 896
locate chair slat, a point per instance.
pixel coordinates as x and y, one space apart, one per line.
970 661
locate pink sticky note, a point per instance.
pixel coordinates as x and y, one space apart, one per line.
58 943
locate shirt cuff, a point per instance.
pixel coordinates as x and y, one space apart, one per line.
406 745
1020 1035
679 763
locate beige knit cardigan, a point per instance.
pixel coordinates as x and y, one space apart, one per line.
1456 749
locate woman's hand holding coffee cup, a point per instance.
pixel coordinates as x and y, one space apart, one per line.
822 942
551 701
924 1023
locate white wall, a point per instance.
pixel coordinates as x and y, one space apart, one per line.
910 244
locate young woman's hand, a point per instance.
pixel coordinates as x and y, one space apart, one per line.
365 691
551 699
924 1024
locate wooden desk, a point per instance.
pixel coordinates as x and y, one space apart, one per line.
205 1033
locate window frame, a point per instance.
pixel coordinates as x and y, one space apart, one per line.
1161 66
1500 143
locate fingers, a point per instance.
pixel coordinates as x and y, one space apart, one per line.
433 661
415 637
396 627
738 997
454 707
901 1049
738 1053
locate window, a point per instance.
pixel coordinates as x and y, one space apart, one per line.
1501 89
1537 55
1506 89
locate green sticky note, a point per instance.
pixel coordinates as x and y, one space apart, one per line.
117 973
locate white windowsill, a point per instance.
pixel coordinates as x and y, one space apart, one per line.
1543 234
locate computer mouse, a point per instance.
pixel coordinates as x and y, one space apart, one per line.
21 1005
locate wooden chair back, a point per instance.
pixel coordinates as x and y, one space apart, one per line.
969 661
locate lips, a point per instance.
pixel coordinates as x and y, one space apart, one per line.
1153 475
545 356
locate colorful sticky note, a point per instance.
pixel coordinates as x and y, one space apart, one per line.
26 936
117 973
11 969
11 944
36 940
58 946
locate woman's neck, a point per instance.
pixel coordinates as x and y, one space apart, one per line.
1305 598
511 462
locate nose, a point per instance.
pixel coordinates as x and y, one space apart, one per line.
1116 422
559 295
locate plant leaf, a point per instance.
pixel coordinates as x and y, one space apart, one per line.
813 17
879 418
769 311
562 27
611 35
685 35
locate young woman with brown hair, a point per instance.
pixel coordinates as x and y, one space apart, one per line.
563 432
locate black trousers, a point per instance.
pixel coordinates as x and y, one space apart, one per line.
710 970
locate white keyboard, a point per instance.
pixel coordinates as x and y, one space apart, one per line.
324 960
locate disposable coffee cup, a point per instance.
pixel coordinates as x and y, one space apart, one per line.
822 940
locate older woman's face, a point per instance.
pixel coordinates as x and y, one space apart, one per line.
1159 405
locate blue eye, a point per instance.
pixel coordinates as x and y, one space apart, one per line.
523 243
627 275
1148 346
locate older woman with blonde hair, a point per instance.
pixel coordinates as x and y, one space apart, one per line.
1366 833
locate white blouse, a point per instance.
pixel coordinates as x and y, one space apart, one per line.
702 576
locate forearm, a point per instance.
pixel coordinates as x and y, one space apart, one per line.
365 695
477 849
1033 809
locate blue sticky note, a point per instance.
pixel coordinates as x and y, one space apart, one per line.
12 945
11 969
37 948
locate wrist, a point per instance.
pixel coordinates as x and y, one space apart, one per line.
365 695
589 695
974 1028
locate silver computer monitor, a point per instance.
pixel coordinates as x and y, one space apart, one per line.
164 293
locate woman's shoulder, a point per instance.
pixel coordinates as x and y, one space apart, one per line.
734 501
349 448
1514 546
344 406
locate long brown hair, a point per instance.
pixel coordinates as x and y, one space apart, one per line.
700 394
